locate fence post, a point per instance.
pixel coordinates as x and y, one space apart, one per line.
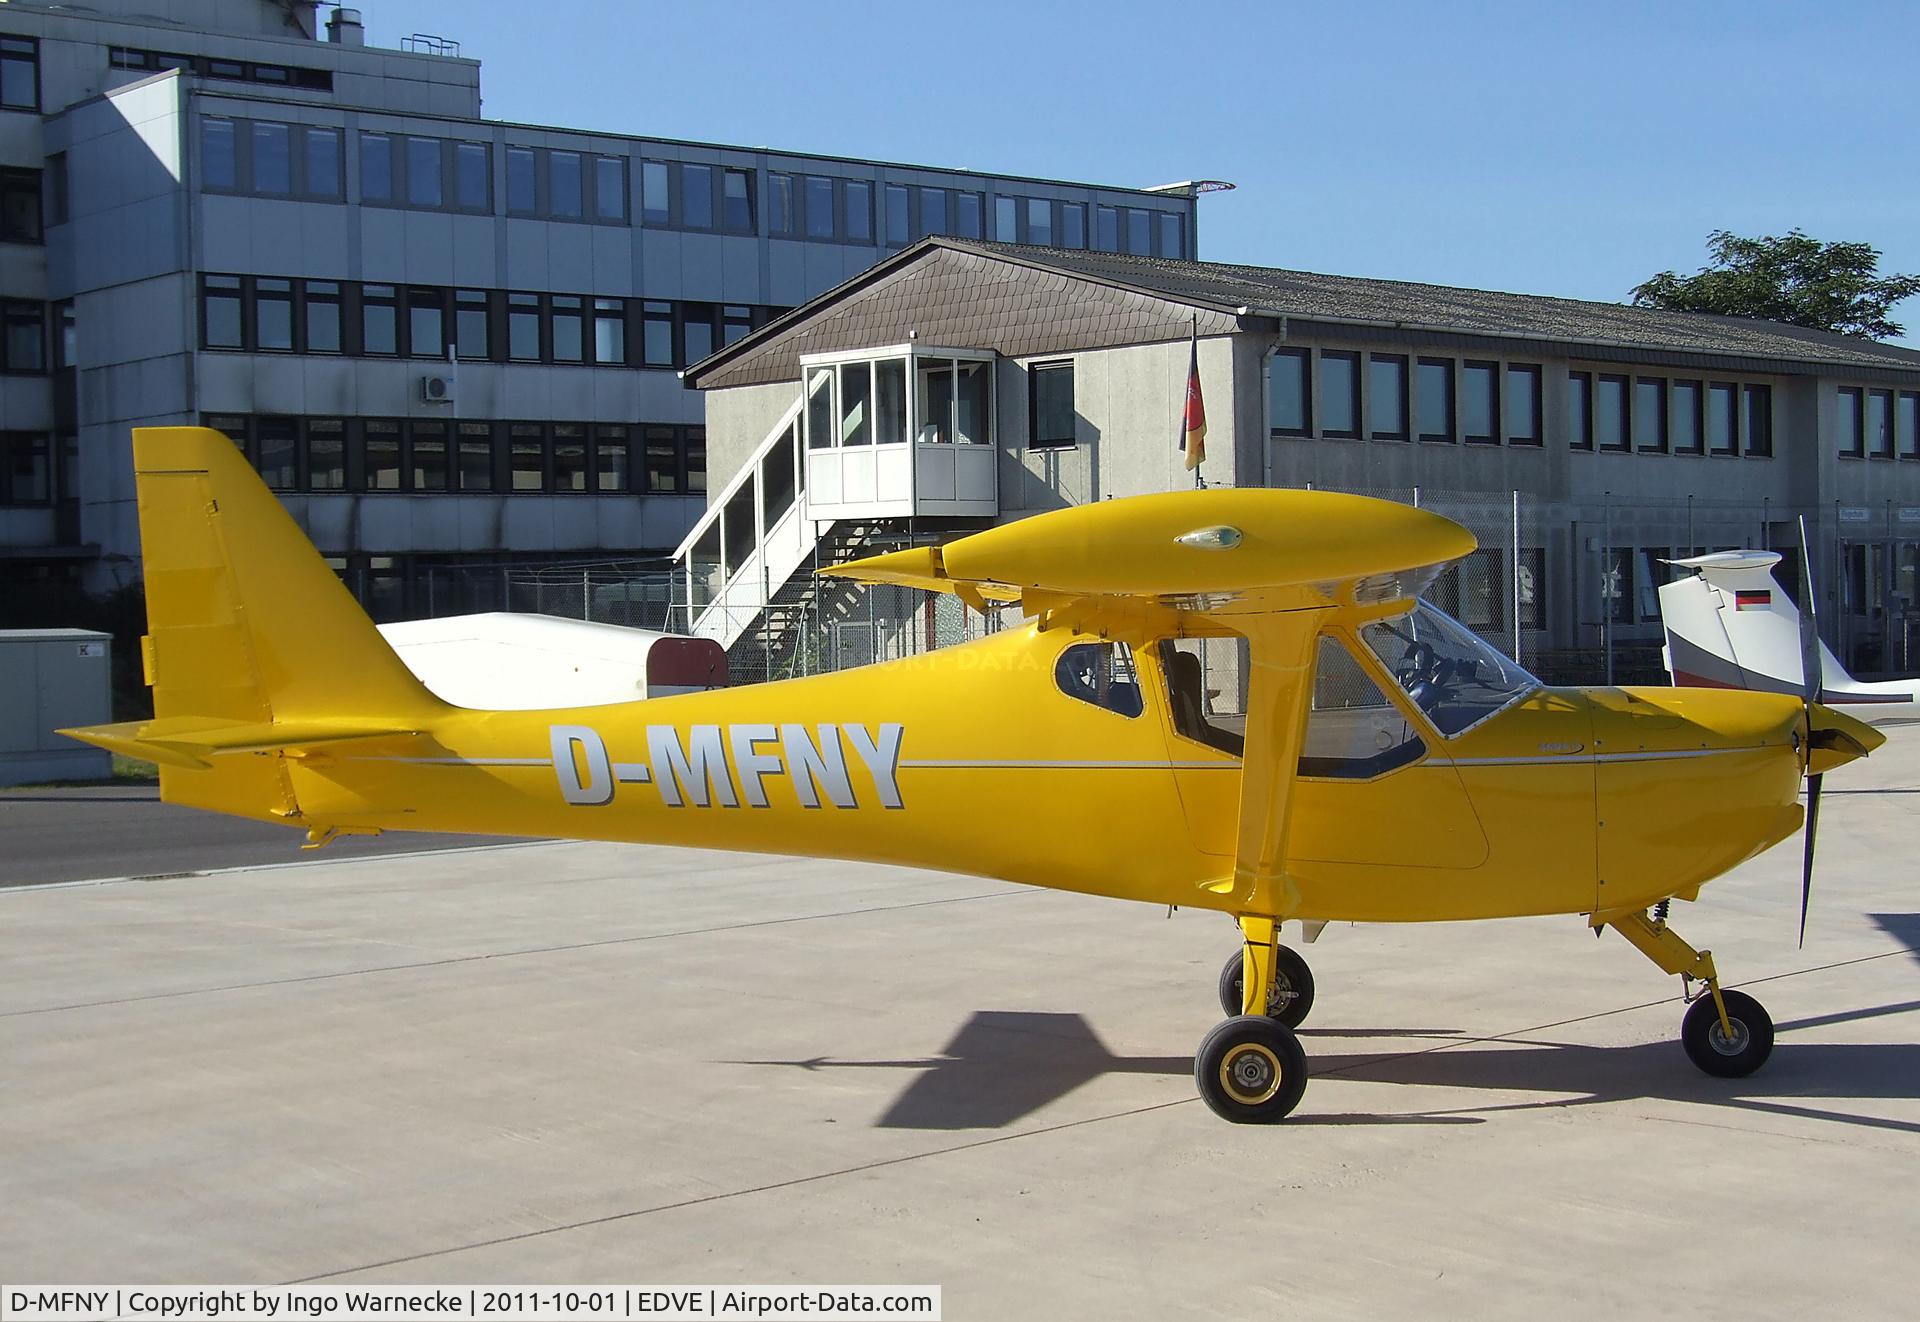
1513 569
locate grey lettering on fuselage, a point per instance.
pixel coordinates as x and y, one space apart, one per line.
701 765
699 770
596 787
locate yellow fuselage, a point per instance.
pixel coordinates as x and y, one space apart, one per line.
972 760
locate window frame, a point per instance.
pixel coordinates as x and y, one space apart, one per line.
1303 360
1051 370
1535 436
1451 370
1318 414
1402 364
1496 423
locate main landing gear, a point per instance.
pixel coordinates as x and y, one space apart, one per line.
1726 1033
1251 1069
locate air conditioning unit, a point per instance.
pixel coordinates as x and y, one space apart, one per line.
436 389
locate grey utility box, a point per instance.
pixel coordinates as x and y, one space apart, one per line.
49 679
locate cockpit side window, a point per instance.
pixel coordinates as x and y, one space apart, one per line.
1354 732
1102 674
1202 699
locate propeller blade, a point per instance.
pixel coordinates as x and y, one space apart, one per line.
1810 664
1806 857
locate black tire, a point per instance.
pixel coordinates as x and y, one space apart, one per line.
1290 997
1251 1070
1707 1045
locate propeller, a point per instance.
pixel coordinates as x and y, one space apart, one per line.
1810 668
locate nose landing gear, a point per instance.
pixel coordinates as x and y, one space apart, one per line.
1726 1033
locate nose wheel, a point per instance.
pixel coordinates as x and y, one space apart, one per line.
1735 1048
1289 992
1251 1070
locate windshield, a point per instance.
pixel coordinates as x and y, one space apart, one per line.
1454 677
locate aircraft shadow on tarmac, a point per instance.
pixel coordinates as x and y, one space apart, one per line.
1004 1065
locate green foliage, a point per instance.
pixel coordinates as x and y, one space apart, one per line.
1793 278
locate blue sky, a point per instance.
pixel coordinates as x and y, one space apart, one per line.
1539 147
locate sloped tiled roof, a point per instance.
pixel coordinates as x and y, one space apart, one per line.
1377 305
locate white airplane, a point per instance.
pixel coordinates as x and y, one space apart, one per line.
1731 626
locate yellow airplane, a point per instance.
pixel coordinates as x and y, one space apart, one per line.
1391 766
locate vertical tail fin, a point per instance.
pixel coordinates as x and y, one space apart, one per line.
254 645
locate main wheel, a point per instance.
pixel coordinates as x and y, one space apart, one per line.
1288 999
1711 1048
1251 1070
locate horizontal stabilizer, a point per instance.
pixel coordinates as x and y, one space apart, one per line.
191 742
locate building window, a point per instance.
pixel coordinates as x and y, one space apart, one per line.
1759 410
896 202
1479 402
272 315
569 330
696 196
320 162
736 201
523 327
379 320
1050 410
26 468
272 151
1139 232
610 188
1610 412
858 196
427 454
1006 219
476 456
933 211
967 214
779 204
1906 424
1522 404
655 201
1880 424
569 457
66 336
1040 221
1073 225
19 206
694 448
1288 410
1106 229
1650 415
19 73
1687 405
526 457
277 452
698 331
656 334
472 324
221 322
1723 427
326 454
1340 394
58 197
380 450
376 167
662 459
610 458
609 330
1387 397
427 323
24 347
1580 410
1433 399
473 176
523 196
565 200
735 322
1172 235
817 201
322 319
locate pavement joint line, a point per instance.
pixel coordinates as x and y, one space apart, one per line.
612 1217
33 886
507 954
992 1140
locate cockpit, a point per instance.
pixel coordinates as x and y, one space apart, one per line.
1448 670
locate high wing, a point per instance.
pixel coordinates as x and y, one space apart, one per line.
1273 566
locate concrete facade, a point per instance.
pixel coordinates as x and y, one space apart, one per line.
285 236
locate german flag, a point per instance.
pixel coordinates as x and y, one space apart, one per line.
1745 600
1193 430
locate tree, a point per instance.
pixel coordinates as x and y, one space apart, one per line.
1795 279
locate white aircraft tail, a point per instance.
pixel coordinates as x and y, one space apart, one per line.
1731 626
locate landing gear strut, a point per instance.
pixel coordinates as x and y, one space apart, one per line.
1726 1033
1251 1069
